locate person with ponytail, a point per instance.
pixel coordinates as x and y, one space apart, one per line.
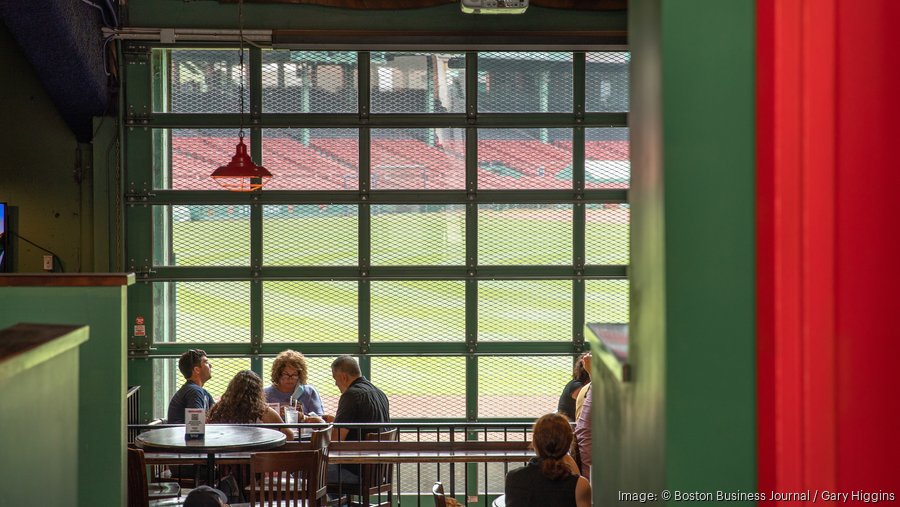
551 478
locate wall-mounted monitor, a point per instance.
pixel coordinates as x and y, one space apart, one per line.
4 237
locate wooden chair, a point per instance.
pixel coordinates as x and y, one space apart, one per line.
320 440
142 493
286 479
375 480
438 491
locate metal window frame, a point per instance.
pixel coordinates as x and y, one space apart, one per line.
140 197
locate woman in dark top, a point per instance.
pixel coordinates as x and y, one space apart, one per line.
551 479
580 377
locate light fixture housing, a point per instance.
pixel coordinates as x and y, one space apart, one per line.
241 174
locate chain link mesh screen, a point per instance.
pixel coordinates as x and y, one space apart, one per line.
531 234
524 82
525 310
310 235
311 159
418 159
606 233
200 80
501 392
310 311
204 312
422 386
606 301
418 311
412 82
203 235
521 159
433 234
606 81
309 81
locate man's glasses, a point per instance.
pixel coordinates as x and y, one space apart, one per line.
290 377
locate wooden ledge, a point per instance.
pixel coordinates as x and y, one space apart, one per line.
66 279
24 346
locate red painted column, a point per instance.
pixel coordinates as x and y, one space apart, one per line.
867 271
828 276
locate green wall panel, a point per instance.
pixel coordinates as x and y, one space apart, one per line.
37 434
101 449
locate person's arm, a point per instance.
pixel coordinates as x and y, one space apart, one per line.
345 413
569 461
583 493
583 433
576 391
271 416
315 401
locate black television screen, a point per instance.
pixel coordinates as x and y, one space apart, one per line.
4 235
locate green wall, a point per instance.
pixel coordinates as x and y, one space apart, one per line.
37 172
38 435
687 421
101 446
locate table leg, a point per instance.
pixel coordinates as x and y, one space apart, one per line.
211 469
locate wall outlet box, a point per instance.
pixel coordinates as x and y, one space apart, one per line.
48 263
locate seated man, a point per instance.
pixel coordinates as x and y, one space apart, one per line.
197 369
360 402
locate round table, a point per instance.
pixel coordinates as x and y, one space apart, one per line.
218 438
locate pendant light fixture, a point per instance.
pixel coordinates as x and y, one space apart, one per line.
241 174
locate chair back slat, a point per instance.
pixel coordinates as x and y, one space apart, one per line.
286 478
137 479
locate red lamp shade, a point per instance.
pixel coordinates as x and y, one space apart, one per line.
241 174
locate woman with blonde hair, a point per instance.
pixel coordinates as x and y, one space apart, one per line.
289 379
244 402
551 478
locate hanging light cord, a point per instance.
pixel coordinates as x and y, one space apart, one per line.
241 60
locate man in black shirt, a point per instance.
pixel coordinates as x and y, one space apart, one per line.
360 402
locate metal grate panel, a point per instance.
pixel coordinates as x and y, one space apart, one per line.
223 370
525 234
524 82
433 234
418 159
607 233
203 235
525 310
309 81
410 82
606 301
311 159
203 312
606 154
310 312
422 386
187 157
502 393
606 81
202 80
318 376
525 158
310 235
415 311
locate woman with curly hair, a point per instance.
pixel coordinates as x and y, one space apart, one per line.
243 402
289 378
551 478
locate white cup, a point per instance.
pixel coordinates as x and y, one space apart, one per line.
290 415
